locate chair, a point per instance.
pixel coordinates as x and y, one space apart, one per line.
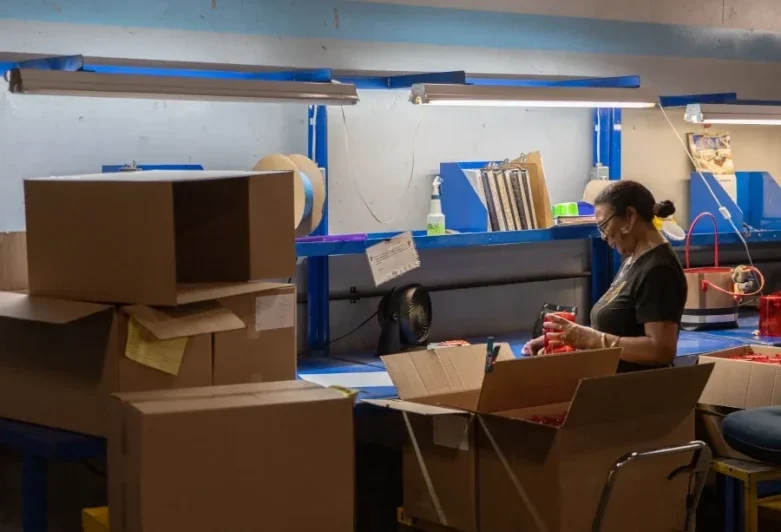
697 470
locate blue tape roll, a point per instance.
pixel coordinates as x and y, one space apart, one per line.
309 194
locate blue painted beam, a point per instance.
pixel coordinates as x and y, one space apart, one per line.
70 63
312 76
405 82
622 82
684 100
460 240
755 237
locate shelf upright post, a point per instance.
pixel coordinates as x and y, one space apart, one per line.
317 288
601 271
614 135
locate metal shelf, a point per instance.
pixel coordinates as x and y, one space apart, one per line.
459 240
728 239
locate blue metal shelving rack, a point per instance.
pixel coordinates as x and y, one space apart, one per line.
607 149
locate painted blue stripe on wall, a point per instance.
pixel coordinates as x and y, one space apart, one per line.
341 19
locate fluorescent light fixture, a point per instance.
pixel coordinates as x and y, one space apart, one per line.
57 82
757 115
496 96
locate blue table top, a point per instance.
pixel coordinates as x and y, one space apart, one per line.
689 345
747 324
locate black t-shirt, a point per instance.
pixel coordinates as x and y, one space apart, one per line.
651 289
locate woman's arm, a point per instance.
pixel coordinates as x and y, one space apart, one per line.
658 346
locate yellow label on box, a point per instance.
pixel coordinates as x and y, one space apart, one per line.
163 355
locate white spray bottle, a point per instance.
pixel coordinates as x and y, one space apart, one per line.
435 221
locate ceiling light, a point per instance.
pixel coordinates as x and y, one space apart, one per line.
57 82
498 96
754 115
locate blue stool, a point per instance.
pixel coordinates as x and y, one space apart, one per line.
755 433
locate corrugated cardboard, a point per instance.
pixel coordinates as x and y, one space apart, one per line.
533 477
232 458
444 436
13 261
736 385
741 383
60 359
133 237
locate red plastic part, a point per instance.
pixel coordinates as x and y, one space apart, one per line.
569 316
770 315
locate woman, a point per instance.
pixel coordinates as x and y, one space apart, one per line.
642 309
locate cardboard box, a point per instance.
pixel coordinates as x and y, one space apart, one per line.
13 261
736 385
60 359
740 383
538 477
445 442
132 237
276 456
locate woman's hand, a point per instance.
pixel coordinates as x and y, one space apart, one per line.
563 332
532 347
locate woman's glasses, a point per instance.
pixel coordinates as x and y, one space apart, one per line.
602 227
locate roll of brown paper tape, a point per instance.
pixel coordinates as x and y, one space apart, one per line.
300 164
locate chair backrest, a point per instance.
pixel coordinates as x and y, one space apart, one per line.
697 470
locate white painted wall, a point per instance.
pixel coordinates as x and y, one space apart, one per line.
44 135
747 14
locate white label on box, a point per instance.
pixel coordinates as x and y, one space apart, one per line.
451 432
275 312
392 258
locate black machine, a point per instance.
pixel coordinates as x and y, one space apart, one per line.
405 319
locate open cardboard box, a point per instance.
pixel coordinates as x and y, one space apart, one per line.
133 237
232 459
475 462
742 383
13 261
736 385
60 359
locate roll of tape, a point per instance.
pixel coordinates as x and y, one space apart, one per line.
308 189
309 194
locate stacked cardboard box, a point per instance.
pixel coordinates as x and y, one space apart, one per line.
273 456
481 456
147 281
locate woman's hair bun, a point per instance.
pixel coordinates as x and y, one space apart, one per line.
664 209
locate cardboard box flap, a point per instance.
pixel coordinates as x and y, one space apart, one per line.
195 293
173 176
215 391
542 380
440 371
220 402
45 310
413 408
176 322
742 383
637 394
